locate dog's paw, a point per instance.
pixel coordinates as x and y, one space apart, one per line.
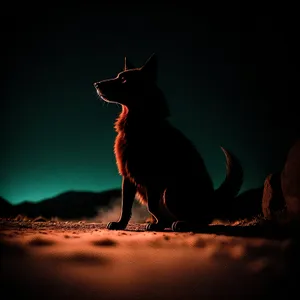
116 226
180 226
155 227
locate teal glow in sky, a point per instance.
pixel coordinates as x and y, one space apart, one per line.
219 78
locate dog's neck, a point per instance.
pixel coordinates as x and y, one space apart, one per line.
130 120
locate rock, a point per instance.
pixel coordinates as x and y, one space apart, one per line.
272 199
248 203
40 219
290 182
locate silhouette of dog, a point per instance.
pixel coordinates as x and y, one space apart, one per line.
158 164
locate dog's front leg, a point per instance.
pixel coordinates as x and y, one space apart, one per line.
128 194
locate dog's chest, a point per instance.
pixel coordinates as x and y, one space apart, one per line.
137 156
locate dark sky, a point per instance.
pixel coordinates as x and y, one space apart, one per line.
230 75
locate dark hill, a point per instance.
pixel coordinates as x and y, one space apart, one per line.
5 208
67 206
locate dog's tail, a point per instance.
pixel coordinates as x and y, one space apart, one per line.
232 184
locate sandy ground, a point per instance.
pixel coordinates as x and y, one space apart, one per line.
79 260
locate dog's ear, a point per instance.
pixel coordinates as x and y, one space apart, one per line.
150 67
128 65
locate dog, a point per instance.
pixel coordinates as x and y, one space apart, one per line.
159 166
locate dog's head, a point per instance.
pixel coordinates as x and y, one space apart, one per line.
134 88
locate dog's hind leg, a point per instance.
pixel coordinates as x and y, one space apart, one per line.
191 213
161 222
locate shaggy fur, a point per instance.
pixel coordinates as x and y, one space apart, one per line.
159 165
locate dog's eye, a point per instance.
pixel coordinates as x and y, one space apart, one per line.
123 79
